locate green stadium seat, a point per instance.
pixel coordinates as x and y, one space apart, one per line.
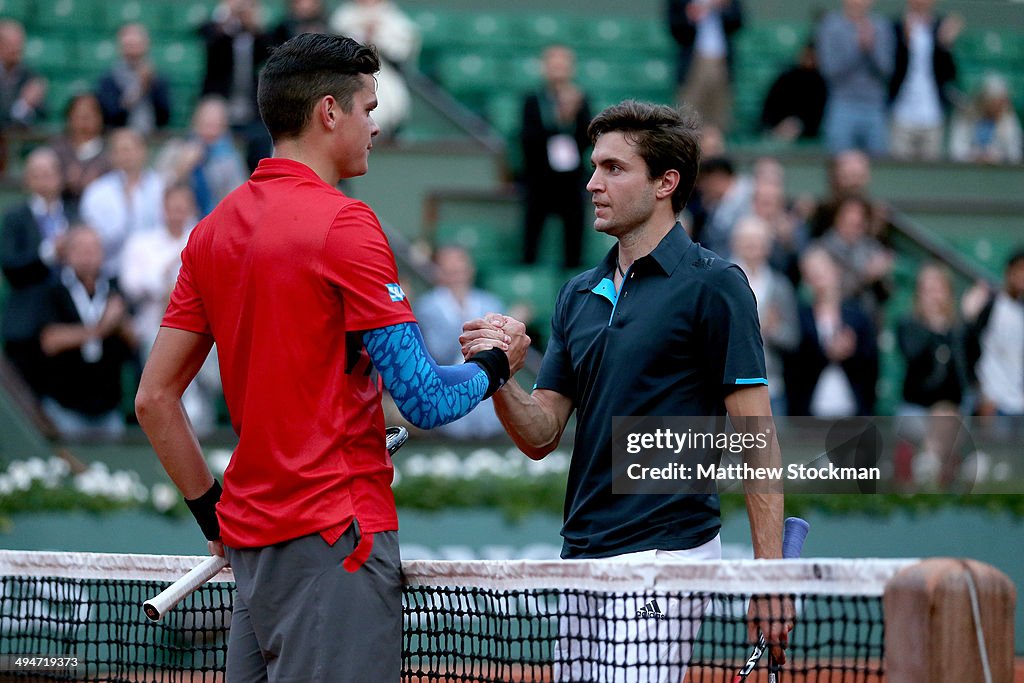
182 62
150 13
187 15
69 16
96 56
49 54
548 29
488 29
470 72
535 285
489 244
16 9
504 112
524 72
437 27
61 91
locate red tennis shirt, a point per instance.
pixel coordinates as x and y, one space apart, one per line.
284 274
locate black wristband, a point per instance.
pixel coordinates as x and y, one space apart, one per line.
495 364
204 509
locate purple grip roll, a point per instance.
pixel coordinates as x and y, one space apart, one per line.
793 537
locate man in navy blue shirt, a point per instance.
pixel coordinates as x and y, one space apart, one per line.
661 327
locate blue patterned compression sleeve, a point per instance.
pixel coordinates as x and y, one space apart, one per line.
428 395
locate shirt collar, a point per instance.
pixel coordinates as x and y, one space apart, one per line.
276 167
40 207
665 257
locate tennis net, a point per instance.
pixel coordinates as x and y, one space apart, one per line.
78 616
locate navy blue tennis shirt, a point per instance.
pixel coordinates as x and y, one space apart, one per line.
679 336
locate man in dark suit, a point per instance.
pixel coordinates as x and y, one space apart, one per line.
236 47
703 29
132 94
554 138
31 246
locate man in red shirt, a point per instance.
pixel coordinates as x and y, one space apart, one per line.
296 284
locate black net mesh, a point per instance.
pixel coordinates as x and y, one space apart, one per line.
460 633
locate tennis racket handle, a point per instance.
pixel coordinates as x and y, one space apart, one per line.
155 608
793 537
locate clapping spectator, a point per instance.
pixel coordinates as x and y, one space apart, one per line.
127 199
553 135
441 313
788 233
849 173
31 248
207 160
924 74
87 338
22 92
997 320
81 148
383 24
988 131
931 340
835 367
703 30
796 100
236 47
865 265
132 94
856 59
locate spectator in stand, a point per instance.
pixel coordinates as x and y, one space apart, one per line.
795 101
441 312
303 16
703 30
776 302
788 234
553 135
856 60
31 246
725 197
22 92
849 173
132 94
87 337
865 265
206 160
997 321
81 148
127 199
384 25
932 342
149 270
988 131
835 368
236 47
925 73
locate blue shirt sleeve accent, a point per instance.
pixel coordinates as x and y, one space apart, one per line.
428 395
752 380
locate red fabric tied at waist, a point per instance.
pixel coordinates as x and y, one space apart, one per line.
360 554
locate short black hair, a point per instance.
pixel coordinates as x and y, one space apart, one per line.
305 69
666 138
1015 258
718 164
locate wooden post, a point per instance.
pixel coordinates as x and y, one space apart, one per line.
930 626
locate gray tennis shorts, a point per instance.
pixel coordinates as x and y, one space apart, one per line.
299 616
